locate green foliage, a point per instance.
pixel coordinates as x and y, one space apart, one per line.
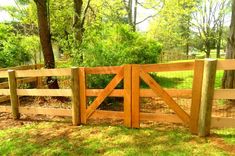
116 44
13 49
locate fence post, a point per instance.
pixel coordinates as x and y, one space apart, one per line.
196 95
83 100
135 96
207 96
39 79
13 94
75 96
127 95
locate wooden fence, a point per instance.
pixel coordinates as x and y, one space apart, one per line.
202 93
19 81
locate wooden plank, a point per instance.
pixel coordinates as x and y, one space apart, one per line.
226 64
44 72
76 119
183 93
222 122
165 96
13 94
4 98
44 92
96 92
207 97
3 74
182 66
135 108
196 95
45 111
21 67
103 70
6 109
127 95
224 94
4 92
83 99
101 114
107 90
19 81
160 117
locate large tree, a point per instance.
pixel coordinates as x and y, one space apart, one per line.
229 76
45 39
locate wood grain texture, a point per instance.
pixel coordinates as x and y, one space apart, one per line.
76 118
45 111
207 97
127 95
183 93
44 92
101 114
224 94
222 122
196 95
96 92
83 99
182 66
44 72
228 64
13 94
103 70
135 96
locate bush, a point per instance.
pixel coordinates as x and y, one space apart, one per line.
114 45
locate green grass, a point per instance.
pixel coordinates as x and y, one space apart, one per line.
60 139
182 80
227 134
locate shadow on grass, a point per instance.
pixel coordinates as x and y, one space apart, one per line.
59 139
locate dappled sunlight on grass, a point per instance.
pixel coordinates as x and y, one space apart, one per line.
61 139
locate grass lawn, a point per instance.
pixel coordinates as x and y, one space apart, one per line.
182 79
49 138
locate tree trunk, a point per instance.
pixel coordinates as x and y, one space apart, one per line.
45 39
77 24
229 76
218 48
208 49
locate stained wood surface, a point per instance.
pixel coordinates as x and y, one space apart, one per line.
183 93
83 99
168 67
44 92
103 70
196 95
107 90
127 95
96 92
135 96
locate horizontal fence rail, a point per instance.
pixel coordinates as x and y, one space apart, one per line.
131 93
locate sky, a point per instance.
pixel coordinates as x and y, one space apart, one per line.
4 16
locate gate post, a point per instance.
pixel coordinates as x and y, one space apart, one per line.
207 97
196 95
76 119
127 95
13 94
135 96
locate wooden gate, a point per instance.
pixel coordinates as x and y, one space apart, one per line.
122 73
142 72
